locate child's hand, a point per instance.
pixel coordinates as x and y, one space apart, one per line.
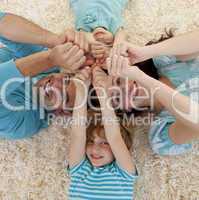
101 48
101 81
98 50
135 53
120 37
83 79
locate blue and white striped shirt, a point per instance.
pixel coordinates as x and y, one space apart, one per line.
109 182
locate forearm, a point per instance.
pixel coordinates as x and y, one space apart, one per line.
114 137
78 133
180 45
19 29
111 124
121 36
34 64
79 117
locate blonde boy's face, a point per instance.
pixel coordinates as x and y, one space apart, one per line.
99 151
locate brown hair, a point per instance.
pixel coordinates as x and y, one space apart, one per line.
148 66
98 126
167 35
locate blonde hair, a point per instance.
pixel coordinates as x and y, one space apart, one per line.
97 127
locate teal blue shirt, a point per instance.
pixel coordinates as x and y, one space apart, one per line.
91 14
26 122
185 77
100 183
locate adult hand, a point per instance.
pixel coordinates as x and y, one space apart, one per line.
67 56
119 66
76 37
135 53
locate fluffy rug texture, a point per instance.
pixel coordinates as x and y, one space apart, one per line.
33 169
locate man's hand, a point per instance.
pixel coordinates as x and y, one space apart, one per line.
67 56
76 37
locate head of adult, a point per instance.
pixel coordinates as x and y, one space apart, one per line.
57 90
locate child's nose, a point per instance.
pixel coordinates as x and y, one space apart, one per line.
96 148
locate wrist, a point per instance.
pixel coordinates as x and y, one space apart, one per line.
81 91
134 73
52 40
143 79
49 60
120 37
105 103
151 51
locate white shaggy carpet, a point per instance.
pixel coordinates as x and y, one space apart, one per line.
33 169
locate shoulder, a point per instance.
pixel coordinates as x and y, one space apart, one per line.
126 176
79 169
2 14
163 61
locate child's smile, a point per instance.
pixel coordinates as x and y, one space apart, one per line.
98 151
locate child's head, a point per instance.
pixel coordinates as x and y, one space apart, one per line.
98 149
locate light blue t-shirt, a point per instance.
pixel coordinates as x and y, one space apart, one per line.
102 183
185 77
91 14
26 122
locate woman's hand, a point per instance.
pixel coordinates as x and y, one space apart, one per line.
119 66
135 53
67 56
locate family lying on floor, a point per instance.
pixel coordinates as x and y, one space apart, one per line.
98 55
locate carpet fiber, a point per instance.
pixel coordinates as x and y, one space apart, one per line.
33 169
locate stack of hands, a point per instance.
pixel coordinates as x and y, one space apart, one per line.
79 51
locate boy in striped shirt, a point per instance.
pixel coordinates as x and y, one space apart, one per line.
100 162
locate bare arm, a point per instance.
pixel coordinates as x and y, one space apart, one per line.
187 44
34 64
112 128
114 137
186 126
78 129
184 47
67 56
27 31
